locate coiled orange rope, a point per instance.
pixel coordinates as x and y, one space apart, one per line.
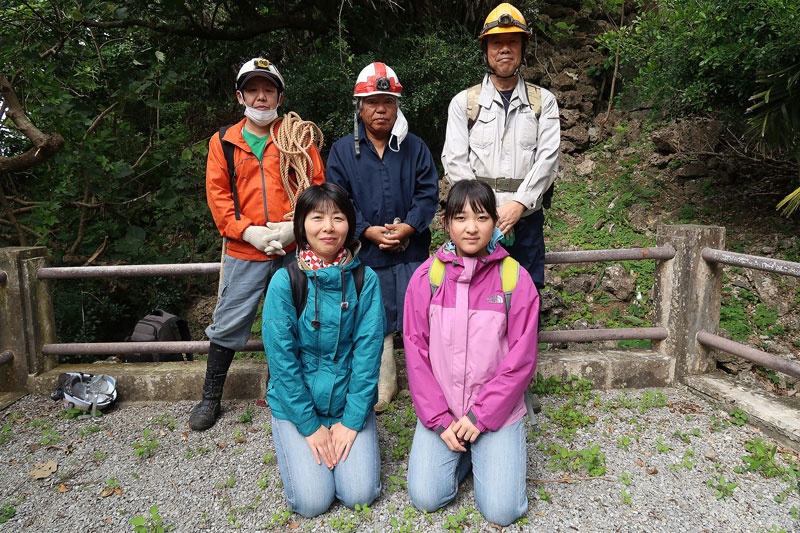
293 139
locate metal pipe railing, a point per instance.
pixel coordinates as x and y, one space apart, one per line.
183 269
113 348
6 357
134 271
778 266
3 277
751 354
621 254
591 335
256 345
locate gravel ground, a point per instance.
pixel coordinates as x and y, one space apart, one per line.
227 477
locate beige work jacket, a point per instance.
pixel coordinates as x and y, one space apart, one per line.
513 145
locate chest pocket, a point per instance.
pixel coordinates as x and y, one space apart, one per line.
484 130
527 128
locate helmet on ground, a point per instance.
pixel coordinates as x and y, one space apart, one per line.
377 78
258 66
505 18
83 391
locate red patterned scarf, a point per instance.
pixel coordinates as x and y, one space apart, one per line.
315 262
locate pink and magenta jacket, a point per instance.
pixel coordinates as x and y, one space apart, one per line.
464 357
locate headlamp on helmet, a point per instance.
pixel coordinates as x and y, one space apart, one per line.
505 18
258 66
377 78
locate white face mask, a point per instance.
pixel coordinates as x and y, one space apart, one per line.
399 130
259 117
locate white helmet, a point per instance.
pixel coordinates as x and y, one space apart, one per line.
377 78
85 391
259 66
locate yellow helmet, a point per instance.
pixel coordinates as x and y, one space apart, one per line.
505 18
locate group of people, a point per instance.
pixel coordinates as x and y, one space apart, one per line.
346 264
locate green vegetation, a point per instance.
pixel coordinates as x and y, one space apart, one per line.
399 420
247 416
7 512
589 460
684 58
761 458
397 481
738 417
150 524
147 446
166 420
722 488
127 111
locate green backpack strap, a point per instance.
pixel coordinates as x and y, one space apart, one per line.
436 274
509 275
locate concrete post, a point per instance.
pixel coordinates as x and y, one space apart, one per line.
26 317
687 295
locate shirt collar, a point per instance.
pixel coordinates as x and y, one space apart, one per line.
490 94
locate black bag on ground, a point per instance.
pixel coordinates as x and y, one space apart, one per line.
159 326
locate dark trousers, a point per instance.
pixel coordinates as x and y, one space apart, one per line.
528 247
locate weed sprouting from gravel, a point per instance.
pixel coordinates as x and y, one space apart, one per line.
399 420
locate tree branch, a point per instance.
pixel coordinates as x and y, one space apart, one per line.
12 219
82 223
249 29
44 145
97 120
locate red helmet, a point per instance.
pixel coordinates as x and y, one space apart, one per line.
377 78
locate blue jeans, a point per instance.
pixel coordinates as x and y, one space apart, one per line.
243 284
311 488
498 460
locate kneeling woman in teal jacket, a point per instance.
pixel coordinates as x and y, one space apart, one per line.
324 360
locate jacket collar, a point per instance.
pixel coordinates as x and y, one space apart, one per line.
235 137
490 94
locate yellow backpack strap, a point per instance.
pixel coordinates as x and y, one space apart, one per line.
436 274
473 109
535 98
509 275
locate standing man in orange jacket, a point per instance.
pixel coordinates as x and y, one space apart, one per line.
253 211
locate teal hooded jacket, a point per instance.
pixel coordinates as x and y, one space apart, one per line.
329 374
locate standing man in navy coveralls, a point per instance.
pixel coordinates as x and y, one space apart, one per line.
391 178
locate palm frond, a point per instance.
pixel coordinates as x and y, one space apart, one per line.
790 203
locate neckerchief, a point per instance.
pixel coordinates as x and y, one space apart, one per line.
314 262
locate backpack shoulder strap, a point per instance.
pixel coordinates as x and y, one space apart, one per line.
227 149
473 109
535 98
358 279
436 274
299 283
509 275
183 330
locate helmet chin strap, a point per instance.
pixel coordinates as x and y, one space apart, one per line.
496 75
492 72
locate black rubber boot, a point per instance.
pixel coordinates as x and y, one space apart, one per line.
205 413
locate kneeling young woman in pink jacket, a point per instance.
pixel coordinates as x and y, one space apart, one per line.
470 357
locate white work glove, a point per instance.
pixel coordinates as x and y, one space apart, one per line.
263 239
285 232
